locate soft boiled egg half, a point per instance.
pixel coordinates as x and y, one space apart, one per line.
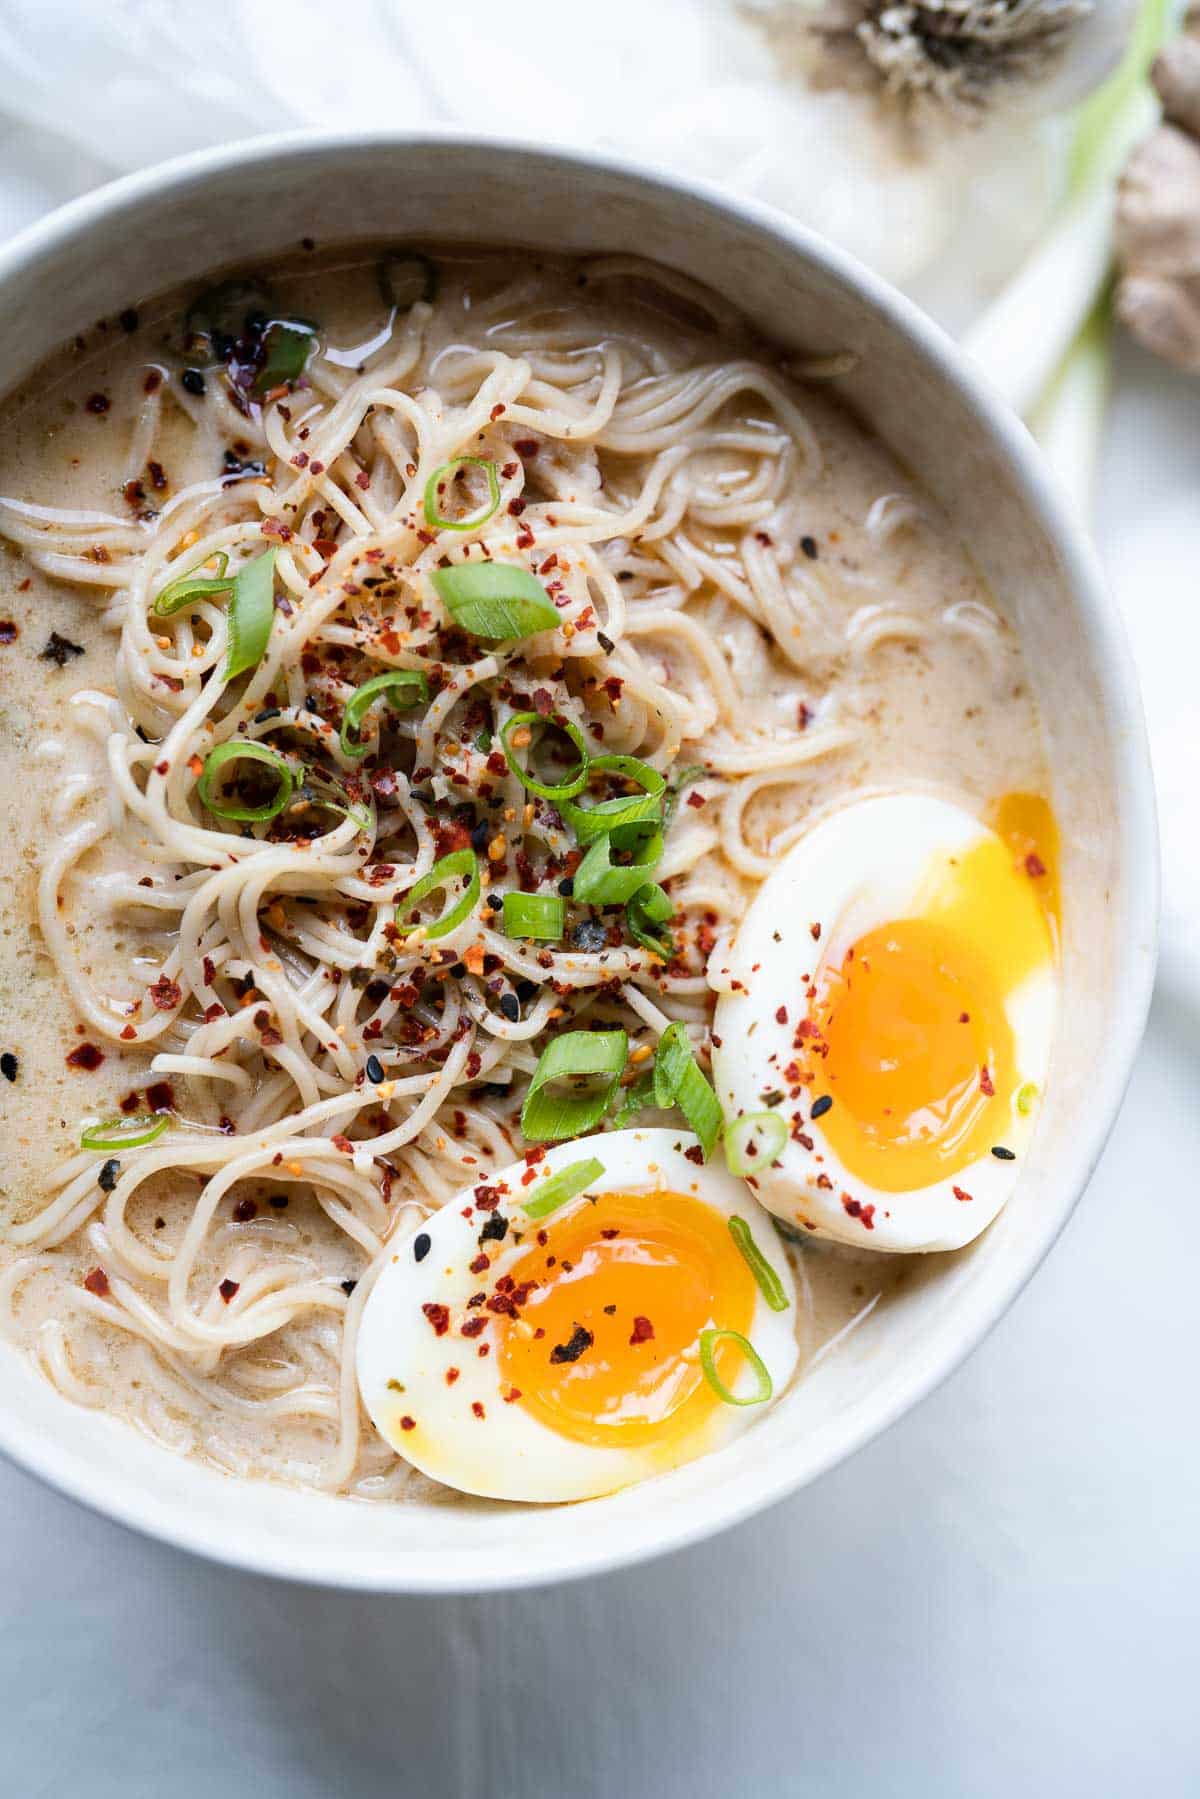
586 1318
890 999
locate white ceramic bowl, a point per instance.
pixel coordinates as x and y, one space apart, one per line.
153 230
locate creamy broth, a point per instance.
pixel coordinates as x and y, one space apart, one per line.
808 614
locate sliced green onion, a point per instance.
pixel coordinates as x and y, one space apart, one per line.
287 345
563 1186
1026 1097
708 1344
679 1082
405 276
754 1141
320 789
251 611
675 786
637 1098
461 865
599 882
540 915
590 822
599 1056
125 1133
769 1283
193 586
226 312
435 519
547 790
402 686
648 911
241 749
496 600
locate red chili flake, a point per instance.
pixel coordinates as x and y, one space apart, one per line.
473 1326
517 507
452 1375
1034 866
695 1154
856 1209
609 1232
127 1033
781 1015
96 1282
525 538
8 631
244 1210
343 1144
477 1408
960 1194
695 800
643 1330
480 1265
86 1056
497 410
439 1317
227 1289
160 1096
511 1397
216 1010
166 993
487 1198
407 1423
964 1018
526 446
986 1086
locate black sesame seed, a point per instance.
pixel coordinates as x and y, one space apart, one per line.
510 1006
267 713
526 991
128 320
606 643
1003 1155
495 902
106 1180
481 833
278 1200
374 1070
8 1065
809 546
567 887
821 1106
422 1244
348 1287
310 703
193 381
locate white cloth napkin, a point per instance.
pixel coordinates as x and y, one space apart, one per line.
92 88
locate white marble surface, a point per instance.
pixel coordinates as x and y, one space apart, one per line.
998 1598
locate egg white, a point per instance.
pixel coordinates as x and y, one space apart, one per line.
510 1454
857 869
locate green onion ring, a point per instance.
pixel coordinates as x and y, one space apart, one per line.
251 612
124 1133
193 586
287 345
708 1343
460 865
396 681
495 600
557 791
599 882
547 1117
590 822
244 749
539 915
561 1187
769 1283
743 1155
651 906
679 1082
435 520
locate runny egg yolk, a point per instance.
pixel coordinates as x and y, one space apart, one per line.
910 1034
606 1350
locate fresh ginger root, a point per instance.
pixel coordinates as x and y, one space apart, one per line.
1158 213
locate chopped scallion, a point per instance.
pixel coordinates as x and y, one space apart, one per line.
242 749
251 611
764 1386
530 722
193 586
754 1141
435 519
461 865
679 1082
559 1188
598 881
590 822
124 1133
495 600
552 1112
401 686
286 346
539 915
769 1283
648 911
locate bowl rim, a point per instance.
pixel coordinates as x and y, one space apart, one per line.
127 1504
